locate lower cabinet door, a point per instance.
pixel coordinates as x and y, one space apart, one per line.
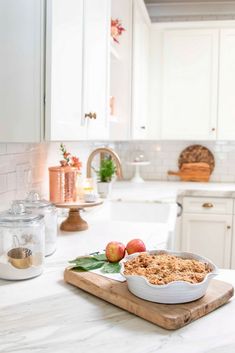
233 246
209 236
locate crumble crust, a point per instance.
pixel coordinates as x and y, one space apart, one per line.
161 269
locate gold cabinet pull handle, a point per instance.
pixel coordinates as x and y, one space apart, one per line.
208 205
91 115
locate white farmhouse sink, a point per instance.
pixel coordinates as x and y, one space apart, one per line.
135 211
149 220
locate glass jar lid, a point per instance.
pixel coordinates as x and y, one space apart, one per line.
17 213
34 200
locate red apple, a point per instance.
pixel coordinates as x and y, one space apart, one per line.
135 245
115 251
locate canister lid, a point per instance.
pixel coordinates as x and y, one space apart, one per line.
17 213
34 200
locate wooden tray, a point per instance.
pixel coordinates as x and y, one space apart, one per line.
170 317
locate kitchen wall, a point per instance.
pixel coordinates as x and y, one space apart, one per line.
25 166
164 155
21 167
79 149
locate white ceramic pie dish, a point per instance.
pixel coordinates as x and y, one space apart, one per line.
172 293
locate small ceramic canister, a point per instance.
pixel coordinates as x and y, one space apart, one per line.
36 205
22 243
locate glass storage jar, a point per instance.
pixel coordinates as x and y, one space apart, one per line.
22 243
36 205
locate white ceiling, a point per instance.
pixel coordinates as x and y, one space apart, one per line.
211 9
186 1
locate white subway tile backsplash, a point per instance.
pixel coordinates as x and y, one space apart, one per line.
17 148
3 183
164 156
3 148
11 181
25 166
16 163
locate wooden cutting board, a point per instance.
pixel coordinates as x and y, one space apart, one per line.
193 172
170 317
197 154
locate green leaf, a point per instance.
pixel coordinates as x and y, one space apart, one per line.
100 257
86 263
111 267
77 269
89 263
82 259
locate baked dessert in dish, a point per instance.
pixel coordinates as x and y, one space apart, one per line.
160 269
167 277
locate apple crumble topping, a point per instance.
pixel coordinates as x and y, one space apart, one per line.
161 269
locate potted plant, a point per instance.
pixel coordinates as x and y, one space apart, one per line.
105 175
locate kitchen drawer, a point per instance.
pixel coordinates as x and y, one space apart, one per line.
207 205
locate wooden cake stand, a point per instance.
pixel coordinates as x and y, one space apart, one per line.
74 221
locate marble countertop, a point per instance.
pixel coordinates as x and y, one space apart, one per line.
167 191
46 315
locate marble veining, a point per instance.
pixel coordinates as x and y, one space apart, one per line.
46 315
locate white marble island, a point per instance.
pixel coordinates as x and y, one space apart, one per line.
47 315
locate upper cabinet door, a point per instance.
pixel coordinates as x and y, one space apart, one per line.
140 62
21 70
96 66
226 115
190 69
64 70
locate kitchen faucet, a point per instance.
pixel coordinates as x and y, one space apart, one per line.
102 151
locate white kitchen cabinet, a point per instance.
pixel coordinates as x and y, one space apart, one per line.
64 70
189 87
121 73
206 228
96 66
209 236
233 240
208 205
129 72
226 113
140 69
21 70
77 66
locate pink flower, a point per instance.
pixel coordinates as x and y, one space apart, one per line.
76 162
116 29
69 160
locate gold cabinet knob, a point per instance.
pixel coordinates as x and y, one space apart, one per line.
208 205
228 227
91 115
213 129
